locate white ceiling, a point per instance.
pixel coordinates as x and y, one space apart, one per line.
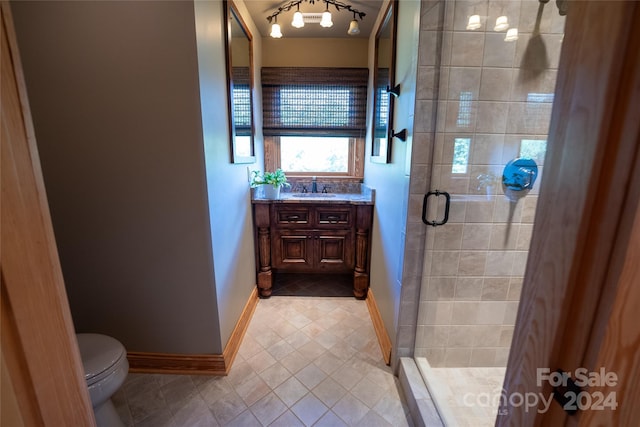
260 9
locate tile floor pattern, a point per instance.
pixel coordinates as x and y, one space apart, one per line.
471 395
305 361
313 285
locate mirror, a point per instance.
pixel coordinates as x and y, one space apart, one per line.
383 77
240 86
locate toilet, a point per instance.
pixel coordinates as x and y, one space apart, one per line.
105 369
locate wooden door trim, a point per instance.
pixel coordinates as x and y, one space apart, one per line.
627 132
38 338
616 338
573 262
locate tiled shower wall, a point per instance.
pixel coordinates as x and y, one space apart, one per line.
492 103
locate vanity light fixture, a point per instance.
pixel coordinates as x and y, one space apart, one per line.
275 30
326 18
512 35
299 18
474 22
502 24
353 27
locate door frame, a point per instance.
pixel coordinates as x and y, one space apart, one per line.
597 76
584 252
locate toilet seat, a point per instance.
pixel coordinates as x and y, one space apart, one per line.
100 353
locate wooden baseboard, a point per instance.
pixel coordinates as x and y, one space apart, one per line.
209 364
167 363
378 326
233 345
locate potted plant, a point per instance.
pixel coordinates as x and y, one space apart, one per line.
272 182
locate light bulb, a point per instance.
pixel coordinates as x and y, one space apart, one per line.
474 22
353 28
512 35
502 23
298 20
326 19
275 31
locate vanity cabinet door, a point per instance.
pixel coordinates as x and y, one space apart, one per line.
333 251
313 250
292 250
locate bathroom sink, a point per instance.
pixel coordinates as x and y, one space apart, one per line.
314 195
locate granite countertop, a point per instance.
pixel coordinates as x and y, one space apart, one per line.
366 196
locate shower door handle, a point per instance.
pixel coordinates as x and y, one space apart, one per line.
447 202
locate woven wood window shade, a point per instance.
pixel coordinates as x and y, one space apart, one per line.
241 100
381 110
314 101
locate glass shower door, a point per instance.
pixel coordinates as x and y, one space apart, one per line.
495 100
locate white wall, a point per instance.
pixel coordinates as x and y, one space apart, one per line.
227 185
391 181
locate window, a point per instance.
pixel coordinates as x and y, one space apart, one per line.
242 107
381 110
242 111
315 120
461 148
315 154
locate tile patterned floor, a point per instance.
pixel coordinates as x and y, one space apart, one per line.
470 396
305 361
317 285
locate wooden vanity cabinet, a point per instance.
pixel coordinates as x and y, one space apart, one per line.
312 238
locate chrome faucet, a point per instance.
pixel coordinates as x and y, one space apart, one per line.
314 185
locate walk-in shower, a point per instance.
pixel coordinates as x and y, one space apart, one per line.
494 96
